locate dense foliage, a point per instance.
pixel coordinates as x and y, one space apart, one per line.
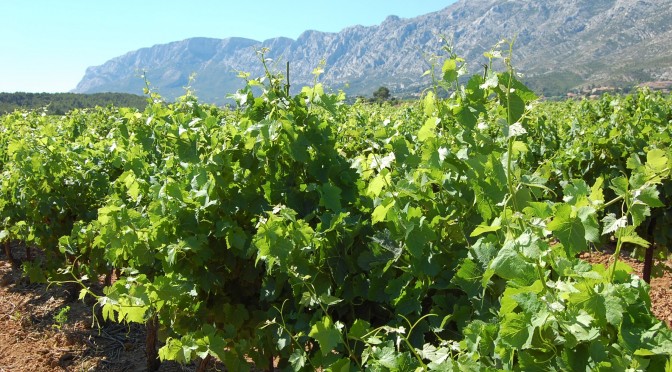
439 235
61 103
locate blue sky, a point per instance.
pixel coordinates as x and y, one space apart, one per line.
46 45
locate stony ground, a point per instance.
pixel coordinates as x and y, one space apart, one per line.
33 337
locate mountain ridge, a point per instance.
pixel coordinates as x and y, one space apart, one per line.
559 47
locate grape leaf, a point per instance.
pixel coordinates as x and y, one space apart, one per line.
330 197
612 224
569 230
326 334
510 264
380 213
514 330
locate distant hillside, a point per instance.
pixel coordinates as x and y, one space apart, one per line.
60 103
560 46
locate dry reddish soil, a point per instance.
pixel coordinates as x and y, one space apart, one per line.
31 338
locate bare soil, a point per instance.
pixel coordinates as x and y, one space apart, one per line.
33 339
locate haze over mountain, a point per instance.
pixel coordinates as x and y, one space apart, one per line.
560 45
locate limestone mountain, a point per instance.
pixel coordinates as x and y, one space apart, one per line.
560 45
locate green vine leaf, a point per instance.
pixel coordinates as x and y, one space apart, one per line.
326 334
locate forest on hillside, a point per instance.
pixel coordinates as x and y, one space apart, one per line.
60 103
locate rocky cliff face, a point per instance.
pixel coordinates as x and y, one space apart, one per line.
559 45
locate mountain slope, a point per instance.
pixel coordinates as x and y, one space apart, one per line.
559 46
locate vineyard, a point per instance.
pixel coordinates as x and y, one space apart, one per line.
302 233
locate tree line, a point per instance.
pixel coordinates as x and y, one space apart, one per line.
61 103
